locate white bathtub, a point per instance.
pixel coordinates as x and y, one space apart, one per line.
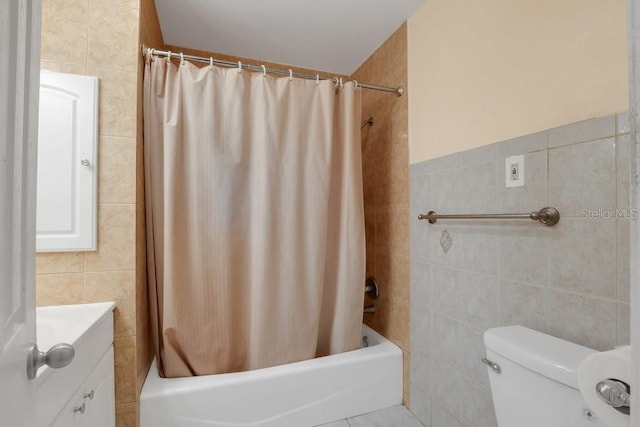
299 394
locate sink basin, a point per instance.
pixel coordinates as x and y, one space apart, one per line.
89 329
68 323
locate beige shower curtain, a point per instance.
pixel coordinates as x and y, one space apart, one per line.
254 211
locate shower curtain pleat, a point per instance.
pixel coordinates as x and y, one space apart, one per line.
254 212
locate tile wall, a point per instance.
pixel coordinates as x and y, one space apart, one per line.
150 35
385 159
100 38
570 280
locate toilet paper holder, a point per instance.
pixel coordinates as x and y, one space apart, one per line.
615 393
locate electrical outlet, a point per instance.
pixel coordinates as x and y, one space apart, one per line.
514 168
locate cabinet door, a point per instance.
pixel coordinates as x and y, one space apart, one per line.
99 394
66 215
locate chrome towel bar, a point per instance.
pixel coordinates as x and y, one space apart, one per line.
547 216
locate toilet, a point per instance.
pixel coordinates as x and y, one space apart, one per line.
533 379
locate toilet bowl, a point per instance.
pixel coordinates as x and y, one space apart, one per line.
533 379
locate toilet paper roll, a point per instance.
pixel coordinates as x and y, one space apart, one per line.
614 364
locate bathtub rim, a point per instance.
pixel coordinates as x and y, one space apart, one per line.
157 387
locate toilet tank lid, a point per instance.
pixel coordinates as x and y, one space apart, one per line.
549 356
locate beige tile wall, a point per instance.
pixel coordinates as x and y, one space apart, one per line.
385 164
150 35
100 38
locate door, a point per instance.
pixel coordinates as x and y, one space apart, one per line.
19 75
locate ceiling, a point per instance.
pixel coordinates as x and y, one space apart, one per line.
328 35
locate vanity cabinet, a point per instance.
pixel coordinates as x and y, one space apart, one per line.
80 394
93 403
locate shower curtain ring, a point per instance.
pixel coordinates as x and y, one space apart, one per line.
290 74
317 79
211 63
239 67
336 82
169 56
181 58
264 71
341 83
355 83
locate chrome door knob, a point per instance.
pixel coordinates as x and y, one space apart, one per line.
58 356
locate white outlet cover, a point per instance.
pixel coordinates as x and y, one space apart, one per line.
514 171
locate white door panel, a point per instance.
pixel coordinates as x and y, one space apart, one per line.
67 169
19 75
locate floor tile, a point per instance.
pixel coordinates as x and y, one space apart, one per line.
341 423
396 416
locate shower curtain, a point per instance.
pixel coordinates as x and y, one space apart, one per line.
254 218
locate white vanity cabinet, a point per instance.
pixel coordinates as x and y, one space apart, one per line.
93 404
82 393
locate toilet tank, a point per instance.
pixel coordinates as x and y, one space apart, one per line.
538 383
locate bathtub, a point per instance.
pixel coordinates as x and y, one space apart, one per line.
298 394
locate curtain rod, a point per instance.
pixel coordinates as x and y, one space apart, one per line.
177 55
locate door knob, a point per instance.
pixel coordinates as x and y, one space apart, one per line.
58 356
